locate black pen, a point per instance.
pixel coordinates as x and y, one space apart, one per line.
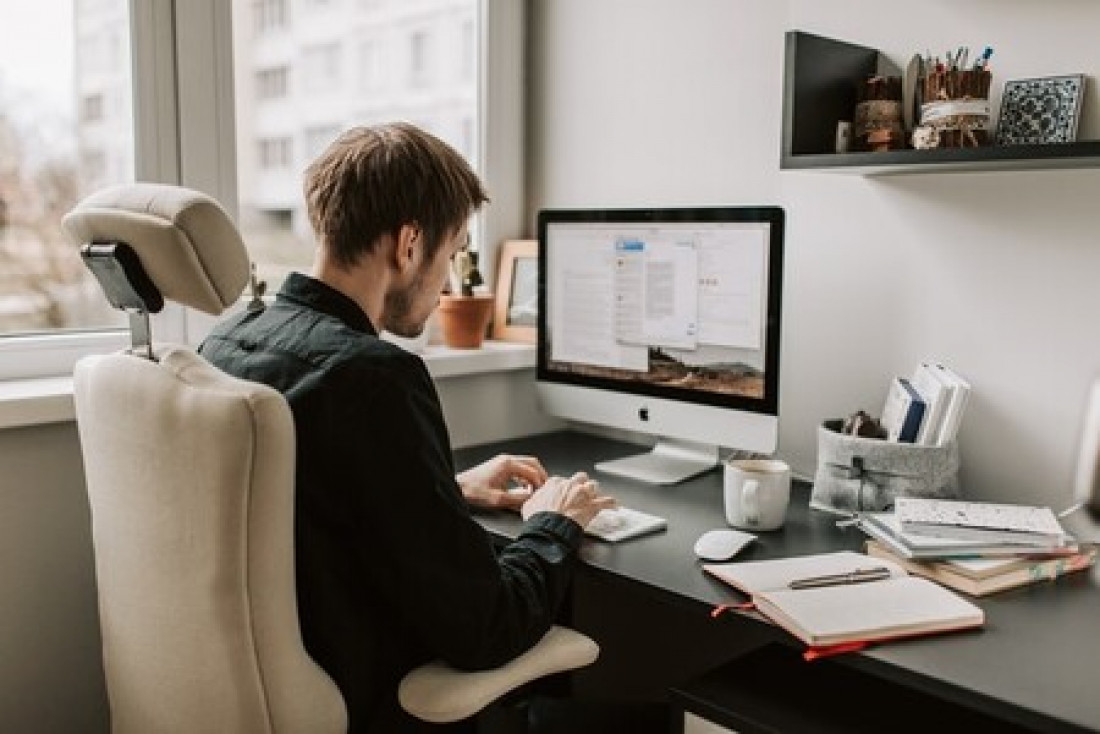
857 576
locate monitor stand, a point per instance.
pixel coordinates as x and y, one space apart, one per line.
670 462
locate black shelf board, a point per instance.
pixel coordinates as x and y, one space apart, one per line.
1085 154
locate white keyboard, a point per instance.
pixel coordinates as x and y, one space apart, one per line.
622 523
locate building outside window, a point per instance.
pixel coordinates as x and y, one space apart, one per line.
392 50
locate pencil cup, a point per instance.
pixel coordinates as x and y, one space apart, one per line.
955 109
756 493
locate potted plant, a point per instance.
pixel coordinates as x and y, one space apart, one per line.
464 313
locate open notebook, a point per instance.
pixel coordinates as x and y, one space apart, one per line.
899 605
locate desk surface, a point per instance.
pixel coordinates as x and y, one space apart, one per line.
1037 661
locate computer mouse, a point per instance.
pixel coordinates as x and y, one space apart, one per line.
721 545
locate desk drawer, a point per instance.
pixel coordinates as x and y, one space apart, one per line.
772 690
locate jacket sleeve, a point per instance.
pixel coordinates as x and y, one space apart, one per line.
468 605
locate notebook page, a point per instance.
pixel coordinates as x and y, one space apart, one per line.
752 577
870 611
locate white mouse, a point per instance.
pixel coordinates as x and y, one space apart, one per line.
721 545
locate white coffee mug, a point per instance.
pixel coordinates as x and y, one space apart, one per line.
756 493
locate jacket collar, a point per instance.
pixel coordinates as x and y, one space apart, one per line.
322 297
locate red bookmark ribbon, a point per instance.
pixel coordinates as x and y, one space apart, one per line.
825 651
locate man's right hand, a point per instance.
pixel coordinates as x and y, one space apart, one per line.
577 497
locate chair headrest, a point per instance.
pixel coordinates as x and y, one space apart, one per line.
187 244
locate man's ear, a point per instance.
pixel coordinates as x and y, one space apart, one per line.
408 247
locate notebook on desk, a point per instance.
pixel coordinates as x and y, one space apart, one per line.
810 597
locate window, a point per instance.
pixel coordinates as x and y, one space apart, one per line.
269 15
321 67
91 108
274 153
387 47
271 83
170 123
59 140
419 58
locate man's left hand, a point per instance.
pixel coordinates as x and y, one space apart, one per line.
486 485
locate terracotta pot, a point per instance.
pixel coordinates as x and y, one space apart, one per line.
464 319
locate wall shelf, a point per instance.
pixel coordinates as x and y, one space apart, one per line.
820 78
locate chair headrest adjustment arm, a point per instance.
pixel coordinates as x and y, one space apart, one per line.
118 269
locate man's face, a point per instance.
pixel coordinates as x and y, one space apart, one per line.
408 309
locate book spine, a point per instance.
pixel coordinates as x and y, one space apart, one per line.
935 392
902 414
955 406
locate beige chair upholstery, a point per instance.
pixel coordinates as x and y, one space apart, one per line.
190 477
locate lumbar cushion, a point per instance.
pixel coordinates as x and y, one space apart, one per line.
187 244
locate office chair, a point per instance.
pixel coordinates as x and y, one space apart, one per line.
190 476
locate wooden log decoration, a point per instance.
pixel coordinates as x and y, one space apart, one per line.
878 114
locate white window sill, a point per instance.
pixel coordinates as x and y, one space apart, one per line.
45 400
492 357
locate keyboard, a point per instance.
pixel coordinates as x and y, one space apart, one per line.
622 523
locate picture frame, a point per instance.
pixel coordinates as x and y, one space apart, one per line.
1041 110
515 312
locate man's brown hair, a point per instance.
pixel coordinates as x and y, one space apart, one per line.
372 180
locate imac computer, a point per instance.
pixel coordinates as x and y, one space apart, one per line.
664 322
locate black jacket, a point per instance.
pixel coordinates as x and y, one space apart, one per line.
392 570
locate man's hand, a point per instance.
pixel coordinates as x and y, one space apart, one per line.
486 485
578 498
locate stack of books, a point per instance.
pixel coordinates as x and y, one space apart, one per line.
975 547
927 407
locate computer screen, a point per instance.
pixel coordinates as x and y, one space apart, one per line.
665 322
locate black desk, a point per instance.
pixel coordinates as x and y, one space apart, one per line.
1036 664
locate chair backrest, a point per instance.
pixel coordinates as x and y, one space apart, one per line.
190 476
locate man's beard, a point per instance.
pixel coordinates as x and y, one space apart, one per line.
398 307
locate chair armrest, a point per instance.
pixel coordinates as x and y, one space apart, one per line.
439 694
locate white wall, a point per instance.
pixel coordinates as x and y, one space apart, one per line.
51 678
647 102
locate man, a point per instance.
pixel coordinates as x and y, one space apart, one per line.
392 570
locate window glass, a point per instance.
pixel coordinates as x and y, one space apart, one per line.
66 129
359 62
